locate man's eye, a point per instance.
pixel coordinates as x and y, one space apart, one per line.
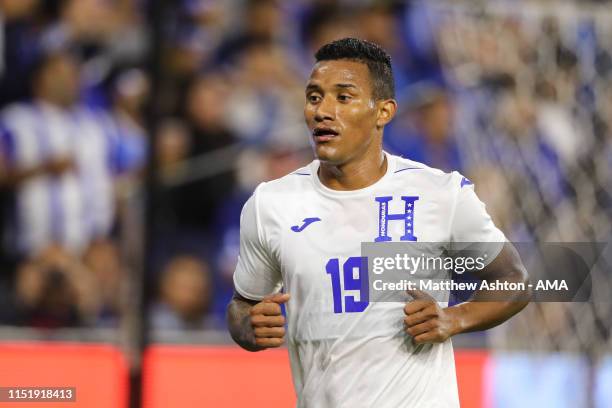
344 98
313 98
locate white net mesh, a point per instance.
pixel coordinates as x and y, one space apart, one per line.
534 100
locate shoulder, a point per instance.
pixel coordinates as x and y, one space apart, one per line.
17 125
414 172
299 180
84 112
281 191
16 112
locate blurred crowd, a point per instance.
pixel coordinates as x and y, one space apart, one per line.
72 141
518 100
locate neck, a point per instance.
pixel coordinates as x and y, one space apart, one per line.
130 115
53 102
355 174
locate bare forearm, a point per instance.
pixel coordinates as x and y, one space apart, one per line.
13 178
474 316
238 312
489 308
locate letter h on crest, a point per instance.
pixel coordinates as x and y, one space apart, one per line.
384 217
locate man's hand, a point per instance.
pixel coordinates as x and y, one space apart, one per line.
268 322
60 165
256 325
426 321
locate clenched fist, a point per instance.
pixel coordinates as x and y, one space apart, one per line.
426 321
268 322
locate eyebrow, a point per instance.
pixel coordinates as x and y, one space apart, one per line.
311 87
345 86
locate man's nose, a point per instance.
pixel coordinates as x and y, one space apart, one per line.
325 110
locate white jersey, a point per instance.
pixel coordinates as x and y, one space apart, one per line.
75 207
297 234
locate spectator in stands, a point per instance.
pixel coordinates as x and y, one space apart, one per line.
184 296
129 93
105 29
324 22
172 151
206 112
54 290
266 94
196 35
425 130
57 155
380 23
105 35
191 203
259 19
108 274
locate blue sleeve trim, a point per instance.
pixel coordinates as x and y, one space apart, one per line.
407 168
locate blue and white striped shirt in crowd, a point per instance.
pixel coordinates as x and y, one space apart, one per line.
76 206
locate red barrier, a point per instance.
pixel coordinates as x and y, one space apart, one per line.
230 377
470 367
99 373
216 377
179 376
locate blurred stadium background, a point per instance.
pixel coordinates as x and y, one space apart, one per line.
132 131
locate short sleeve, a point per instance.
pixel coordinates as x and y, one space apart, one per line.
257 274
472 227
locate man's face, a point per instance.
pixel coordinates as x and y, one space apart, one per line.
59 80
340 111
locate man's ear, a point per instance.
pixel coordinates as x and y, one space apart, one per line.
386 112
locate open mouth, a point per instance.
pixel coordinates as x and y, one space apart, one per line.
323 134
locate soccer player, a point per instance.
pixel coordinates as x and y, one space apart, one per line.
303 232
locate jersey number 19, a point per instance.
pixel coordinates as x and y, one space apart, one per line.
350 282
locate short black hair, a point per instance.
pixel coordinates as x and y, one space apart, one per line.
369 53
